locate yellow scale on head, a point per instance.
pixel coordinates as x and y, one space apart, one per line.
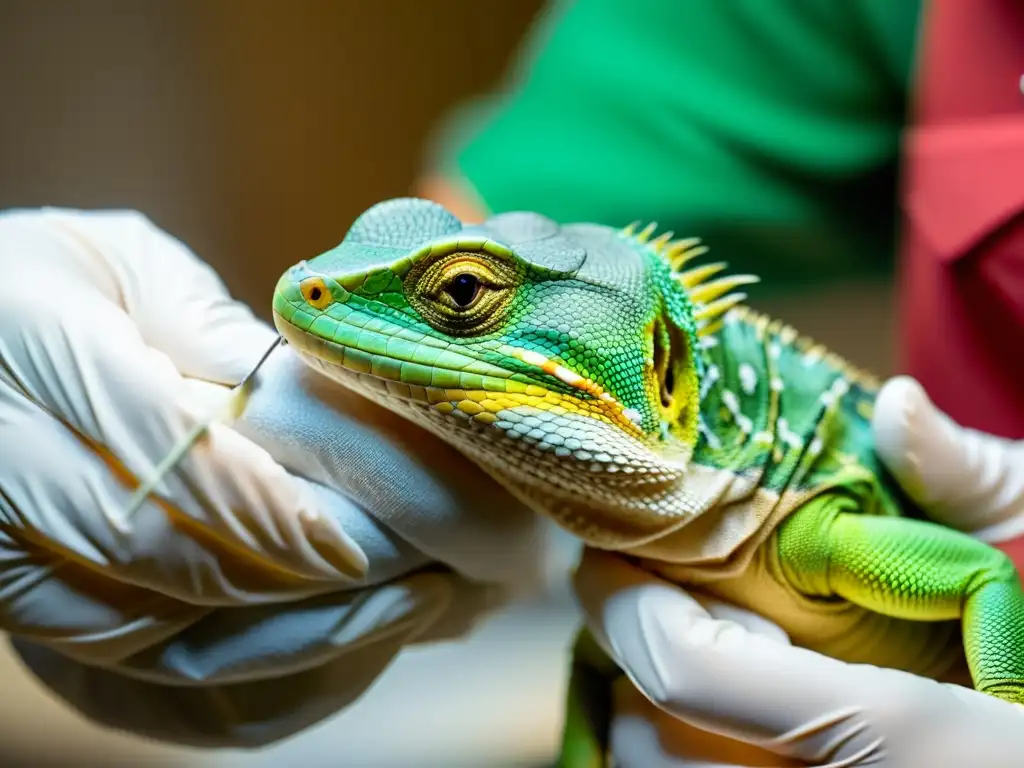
483 405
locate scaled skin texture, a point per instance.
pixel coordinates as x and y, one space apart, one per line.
613 380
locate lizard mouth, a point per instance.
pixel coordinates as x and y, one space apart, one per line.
541 421
379 369
455 383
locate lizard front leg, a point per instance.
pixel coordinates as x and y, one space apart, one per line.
915 570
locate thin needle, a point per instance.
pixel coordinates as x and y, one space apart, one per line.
234 404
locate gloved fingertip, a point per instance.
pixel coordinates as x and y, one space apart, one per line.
897 408
319 530
671 640
902 418
636 635
334 545
228 349
284 514
752 622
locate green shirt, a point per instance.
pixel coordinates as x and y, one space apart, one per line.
769 128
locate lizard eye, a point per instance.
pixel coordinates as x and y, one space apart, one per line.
463 290
463 293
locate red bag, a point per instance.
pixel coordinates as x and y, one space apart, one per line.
962 281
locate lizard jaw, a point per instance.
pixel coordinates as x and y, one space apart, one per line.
603 503
550 430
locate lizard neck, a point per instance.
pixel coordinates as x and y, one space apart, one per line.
768 399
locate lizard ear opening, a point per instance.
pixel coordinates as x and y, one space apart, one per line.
670 355
676 382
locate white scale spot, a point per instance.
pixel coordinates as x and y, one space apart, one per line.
812 357
707 342
774 350
792 439
710 377
712 439
530 357
569 377
730 401
633 415
748 378
777 384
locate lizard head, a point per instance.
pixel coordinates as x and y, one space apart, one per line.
564 360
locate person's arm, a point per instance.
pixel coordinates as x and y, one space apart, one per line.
771 131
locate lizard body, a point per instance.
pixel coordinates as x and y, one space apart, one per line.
629 396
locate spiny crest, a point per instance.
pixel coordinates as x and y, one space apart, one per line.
807 346
712 299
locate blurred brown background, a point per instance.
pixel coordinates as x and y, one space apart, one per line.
253 130
256 131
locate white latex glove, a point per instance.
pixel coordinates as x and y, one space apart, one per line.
722 687
287 559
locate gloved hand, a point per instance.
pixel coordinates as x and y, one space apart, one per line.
722 687
287 559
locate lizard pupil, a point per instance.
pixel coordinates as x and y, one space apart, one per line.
463 289
314 295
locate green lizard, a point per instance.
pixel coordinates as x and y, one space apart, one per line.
631 397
